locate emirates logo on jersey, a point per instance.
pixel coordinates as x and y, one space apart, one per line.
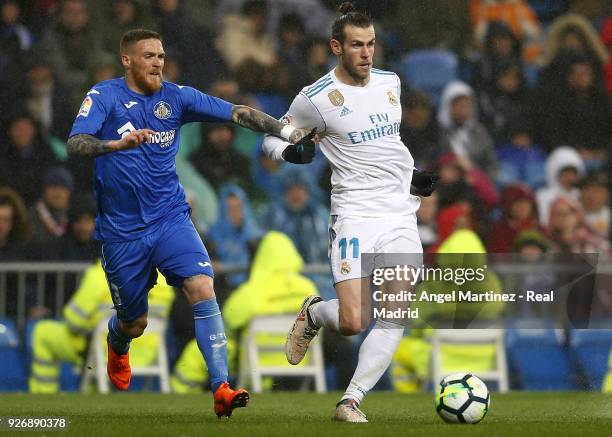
162 110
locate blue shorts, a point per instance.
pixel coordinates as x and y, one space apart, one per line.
175 248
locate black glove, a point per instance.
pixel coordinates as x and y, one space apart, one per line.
424 183
301 152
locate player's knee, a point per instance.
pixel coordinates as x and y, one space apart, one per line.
350 326
135 328
199 288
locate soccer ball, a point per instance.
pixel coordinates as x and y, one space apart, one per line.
463 398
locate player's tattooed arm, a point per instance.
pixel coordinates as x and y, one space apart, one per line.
88 145
261 122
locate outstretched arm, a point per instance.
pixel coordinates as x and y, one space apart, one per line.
88 145
261 122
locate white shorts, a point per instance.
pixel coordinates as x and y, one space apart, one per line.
350 237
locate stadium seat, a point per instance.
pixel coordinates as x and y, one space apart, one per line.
96 358
537 355
468 339
590 348
13 372
251 367
429 70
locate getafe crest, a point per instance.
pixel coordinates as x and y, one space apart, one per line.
336 98
346 268
392 98
162 110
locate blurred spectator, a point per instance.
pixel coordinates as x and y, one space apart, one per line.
124 15
419 129
47 100
50 214
78 243
504 98
267 174
292 51
267 85
519 214
25 157
427 25
426 220
595 202
515 13
192 46
234 237
531 247
14 35
606 37
460 180
104 68
72 44
317 19
501 47
520 160
318 61
568 230
453 218
217 161
466 137
564 168
15 41
15 226
575 110
300 214
571 32
244 36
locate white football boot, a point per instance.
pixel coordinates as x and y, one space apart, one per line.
302 333
348 410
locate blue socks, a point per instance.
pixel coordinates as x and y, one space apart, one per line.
117 339
210 335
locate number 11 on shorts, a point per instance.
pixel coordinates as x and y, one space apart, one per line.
353 242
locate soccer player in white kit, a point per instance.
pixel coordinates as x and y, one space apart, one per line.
356 112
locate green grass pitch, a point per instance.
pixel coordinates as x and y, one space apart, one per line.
292 414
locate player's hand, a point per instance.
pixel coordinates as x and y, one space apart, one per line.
303 151
424 183
133 139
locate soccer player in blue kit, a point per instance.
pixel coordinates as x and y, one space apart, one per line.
131 126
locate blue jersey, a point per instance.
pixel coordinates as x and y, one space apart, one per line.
137 188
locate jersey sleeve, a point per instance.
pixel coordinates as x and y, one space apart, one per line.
92 113
302 114
198 106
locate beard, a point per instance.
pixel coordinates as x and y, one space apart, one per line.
148 83
356 72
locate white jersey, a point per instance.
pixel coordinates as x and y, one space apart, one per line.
359 126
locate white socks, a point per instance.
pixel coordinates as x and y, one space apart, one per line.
375 356
326 314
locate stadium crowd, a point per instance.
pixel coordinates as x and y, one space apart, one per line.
509 101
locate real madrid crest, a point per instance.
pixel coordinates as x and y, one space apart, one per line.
162 110
392 98
336 98
346 268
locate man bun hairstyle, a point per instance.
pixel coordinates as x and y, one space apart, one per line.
348 15
131 37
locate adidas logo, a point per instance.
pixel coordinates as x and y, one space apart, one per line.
345 111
